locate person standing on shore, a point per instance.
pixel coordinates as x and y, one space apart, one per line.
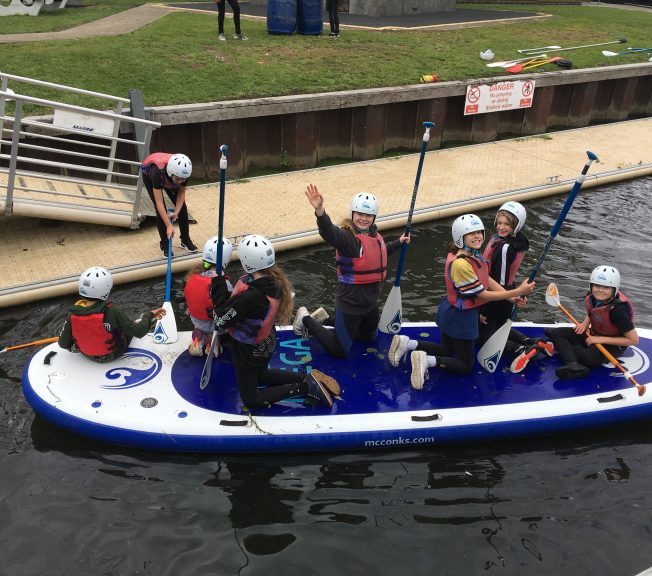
333 17
221 10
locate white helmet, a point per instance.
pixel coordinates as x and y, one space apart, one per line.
364 203
606 276
463 225
210 250
179 165
517 210
255 253
95 282
487 54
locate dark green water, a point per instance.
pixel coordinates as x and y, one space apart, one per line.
573 504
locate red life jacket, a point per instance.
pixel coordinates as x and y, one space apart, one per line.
198 296
482 272
91 335
497 243
369 268
160 160
253 330
601 315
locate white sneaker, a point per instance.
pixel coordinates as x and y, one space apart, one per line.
195 348
222 38
397 349
419 361
298 327
240 37
320 315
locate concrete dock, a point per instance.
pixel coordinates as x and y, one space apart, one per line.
43 259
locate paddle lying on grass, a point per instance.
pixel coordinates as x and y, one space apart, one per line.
390 319
35 343
552 298
539 49
165 331
206 372
490 353
508 63
625 52
539 62
619 41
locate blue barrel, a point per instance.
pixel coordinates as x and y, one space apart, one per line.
310 20
281 16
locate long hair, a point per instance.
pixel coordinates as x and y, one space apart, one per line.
347 224
284 287
199 269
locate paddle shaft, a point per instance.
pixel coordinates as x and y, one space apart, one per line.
168 276
426 137
607 355
621 41
560 220
35 343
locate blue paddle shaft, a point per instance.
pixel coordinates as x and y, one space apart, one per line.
426 137
560 220
168 277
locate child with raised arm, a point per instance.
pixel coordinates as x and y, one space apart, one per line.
610 318
248 313
468 286
361 256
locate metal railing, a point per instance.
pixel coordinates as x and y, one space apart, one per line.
76 158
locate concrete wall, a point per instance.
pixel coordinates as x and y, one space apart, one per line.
399 7
293 132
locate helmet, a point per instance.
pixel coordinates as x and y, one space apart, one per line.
518 210
256 253
95 282
210 250
179 165
463 225
364 203
487 54
606 276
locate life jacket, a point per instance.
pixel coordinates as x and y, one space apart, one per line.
601 315
497 243
160 160
198 296
253 330
482 272
369 268
92 335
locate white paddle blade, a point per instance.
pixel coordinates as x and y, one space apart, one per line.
165 331
552 295
391 318
489 355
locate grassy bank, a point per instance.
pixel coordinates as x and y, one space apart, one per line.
177 59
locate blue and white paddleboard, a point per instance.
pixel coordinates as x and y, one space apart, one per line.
150 398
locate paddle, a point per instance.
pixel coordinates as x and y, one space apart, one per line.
619 41
206 372
390 320
526 50
35 343
508 63
490 353
552 298
532 64
165 331
625 52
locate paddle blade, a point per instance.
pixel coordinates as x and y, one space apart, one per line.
489 355
206 372
552 295
165 331
391 318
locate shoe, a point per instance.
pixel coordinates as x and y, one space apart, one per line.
397 349
545 346
188 245
334 34
221 37
523 357
572 371
298 326
240 36
329 382
419 361
164 247
195 348
317 391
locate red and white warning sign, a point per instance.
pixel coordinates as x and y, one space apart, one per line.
482 98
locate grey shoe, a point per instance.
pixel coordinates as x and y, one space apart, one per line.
240 36
320 315
298 327
221 38
419 368
397 349
318 391
329 382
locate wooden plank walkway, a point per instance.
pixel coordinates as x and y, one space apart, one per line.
43 259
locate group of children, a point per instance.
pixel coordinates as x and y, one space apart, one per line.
480 293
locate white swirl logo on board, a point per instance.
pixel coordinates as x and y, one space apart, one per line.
634 360
140 367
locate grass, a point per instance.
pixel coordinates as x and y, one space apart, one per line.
177 59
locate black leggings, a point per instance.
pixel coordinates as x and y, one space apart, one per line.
333 15
221 9
281 384
182 220
464 351
348 327
572 347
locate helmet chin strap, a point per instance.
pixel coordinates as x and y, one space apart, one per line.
473 251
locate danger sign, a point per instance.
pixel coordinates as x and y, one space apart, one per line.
482 98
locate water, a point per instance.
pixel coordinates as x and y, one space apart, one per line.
577 503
